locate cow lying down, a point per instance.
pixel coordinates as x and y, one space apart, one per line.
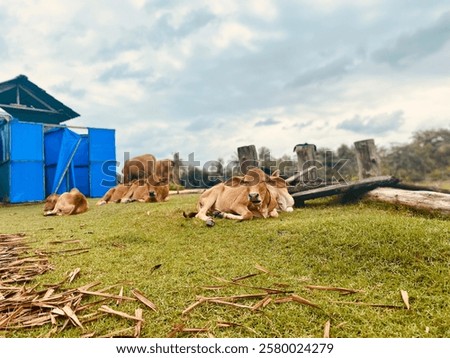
152 189
115 194
256 194
68 203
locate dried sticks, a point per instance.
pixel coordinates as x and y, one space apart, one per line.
262 296
26 307
14 266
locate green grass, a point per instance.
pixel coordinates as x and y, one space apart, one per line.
374 248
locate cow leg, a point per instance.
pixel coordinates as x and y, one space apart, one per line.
202 215
56 210
66 209
106 197
127 198
204 205
50 213
69 210
273 213
244 214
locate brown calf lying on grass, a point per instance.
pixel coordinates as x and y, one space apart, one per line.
68 203
115 194
256 194
147 191
152 189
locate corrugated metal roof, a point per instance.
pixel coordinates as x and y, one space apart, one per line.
26 101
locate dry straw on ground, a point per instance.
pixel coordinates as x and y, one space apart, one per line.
24 307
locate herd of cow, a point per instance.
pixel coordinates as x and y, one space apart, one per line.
145 179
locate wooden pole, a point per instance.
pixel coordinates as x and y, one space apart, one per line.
367 159
176 171
306 161
248 158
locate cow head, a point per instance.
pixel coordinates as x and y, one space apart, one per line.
276 185
255 180
257 188
50 202
154 185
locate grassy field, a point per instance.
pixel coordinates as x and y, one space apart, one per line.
375 249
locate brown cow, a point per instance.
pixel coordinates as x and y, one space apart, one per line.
68 203
277 187
115 194
146 165
146 191
238 199
159 192
139 167
165 170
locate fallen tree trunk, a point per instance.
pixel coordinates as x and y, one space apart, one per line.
421 200
356 188
416 187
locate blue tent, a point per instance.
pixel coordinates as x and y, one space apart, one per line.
39 156
37 160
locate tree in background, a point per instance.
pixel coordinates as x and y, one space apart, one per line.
427 157
350 170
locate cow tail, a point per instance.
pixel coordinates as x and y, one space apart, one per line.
189 215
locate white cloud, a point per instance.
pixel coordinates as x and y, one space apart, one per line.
233 33
332 5
265 9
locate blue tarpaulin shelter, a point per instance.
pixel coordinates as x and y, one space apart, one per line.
36 160
39 156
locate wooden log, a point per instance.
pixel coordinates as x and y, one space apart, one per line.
299 175
416 187
248 158
420 200
359 187
367 159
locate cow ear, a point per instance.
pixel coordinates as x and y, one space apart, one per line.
154 180
276 173
247 179
277 182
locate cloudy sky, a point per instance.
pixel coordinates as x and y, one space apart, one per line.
208 76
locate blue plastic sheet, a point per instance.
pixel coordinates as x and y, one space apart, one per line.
26 162
35 162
